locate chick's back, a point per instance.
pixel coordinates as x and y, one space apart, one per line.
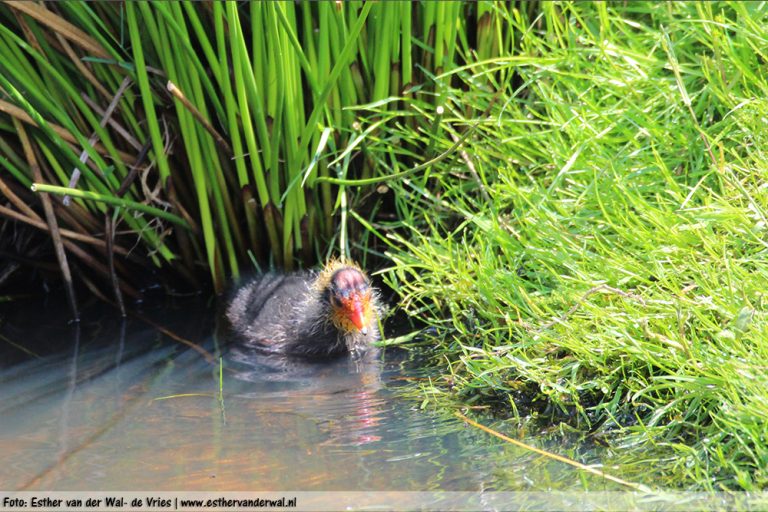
264 309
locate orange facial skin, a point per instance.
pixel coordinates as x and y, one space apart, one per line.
353 311
350 295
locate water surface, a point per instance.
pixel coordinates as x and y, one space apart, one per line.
124 406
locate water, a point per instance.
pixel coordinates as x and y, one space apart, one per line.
126 407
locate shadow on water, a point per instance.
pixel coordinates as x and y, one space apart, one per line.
125 407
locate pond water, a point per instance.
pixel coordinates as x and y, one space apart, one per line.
126 406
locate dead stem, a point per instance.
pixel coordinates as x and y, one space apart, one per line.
53 225
109 233
59 25
94 136
554 456
199 116
18 113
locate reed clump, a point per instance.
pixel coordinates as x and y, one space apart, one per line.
190 139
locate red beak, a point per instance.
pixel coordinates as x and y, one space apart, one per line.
356 315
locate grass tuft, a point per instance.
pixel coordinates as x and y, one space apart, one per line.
596 251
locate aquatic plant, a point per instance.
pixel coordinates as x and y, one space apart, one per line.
189 139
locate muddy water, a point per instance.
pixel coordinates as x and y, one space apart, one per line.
128 407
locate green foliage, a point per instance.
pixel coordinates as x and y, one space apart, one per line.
238 108
600 244
571 193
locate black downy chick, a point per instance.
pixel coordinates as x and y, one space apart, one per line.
308 315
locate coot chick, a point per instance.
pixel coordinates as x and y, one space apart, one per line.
308 315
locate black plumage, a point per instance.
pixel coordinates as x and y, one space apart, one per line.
307 314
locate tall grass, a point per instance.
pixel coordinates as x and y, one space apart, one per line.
596 253
217 118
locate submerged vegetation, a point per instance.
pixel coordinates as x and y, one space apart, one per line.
572 194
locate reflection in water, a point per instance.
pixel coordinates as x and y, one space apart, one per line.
64 449
306 386
127 408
